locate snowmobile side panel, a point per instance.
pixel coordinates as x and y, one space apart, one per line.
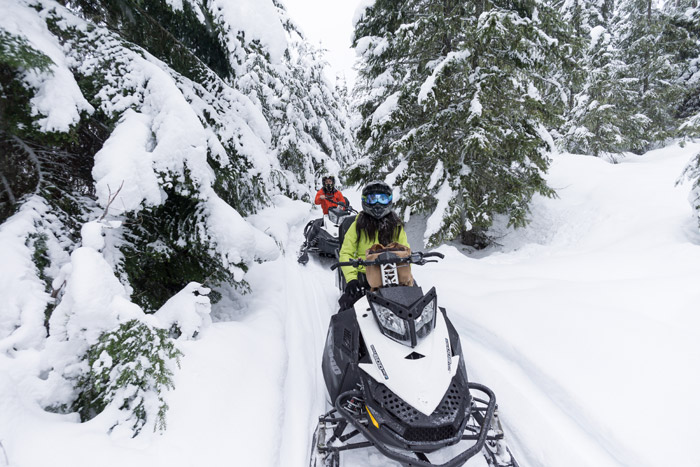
329 235
327 244
341 354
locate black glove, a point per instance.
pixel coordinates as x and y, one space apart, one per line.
352 288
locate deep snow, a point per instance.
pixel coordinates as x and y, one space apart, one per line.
585 324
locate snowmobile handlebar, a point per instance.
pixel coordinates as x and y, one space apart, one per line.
342 205
418 258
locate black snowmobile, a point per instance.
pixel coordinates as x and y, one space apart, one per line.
328 238
395 373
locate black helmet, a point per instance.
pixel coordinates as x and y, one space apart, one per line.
377 199
328 187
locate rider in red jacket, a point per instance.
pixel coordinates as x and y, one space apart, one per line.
328 196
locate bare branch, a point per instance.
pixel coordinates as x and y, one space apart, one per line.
55 292
110 199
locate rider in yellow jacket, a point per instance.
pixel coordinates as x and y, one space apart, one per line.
377 223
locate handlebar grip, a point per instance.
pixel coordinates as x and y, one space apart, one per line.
347 263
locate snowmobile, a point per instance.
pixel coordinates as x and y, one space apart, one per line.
395 374
330 228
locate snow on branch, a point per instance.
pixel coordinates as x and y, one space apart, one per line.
427 87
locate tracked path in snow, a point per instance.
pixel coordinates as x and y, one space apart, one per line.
310 301
310 298
490 357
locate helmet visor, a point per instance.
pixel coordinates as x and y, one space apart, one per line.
377 198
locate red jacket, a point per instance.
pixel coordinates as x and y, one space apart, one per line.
326 204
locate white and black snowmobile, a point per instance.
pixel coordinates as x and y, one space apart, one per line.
328 235
396 377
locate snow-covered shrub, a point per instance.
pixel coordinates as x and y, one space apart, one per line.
187 312
129 368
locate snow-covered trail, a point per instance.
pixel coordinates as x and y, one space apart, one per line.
587 321
311 299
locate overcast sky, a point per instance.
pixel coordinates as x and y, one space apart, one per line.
328 22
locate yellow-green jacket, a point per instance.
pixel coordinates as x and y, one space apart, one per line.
352 249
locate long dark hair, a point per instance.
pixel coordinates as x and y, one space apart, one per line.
389 227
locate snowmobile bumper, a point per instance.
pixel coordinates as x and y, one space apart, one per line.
479 436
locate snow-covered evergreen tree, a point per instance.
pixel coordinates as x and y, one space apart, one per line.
130 367
685 15
381 40
453 109
164 124
593 121
651 91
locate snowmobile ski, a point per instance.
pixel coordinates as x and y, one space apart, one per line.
304 256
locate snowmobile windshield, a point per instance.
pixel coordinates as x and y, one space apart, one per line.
407 325
335 214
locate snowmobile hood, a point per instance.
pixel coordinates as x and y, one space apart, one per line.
420 375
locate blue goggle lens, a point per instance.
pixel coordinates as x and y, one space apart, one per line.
374 198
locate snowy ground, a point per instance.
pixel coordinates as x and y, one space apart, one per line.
585 324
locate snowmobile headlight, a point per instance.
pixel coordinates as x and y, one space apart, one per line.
425 322
391 325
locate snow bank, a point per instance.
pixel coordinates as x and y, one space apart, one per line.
189 310
278 220
236 240
23 298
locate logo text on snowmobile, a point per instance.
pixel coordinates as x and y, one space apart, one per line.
334 365
390 274
449 355
378 362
